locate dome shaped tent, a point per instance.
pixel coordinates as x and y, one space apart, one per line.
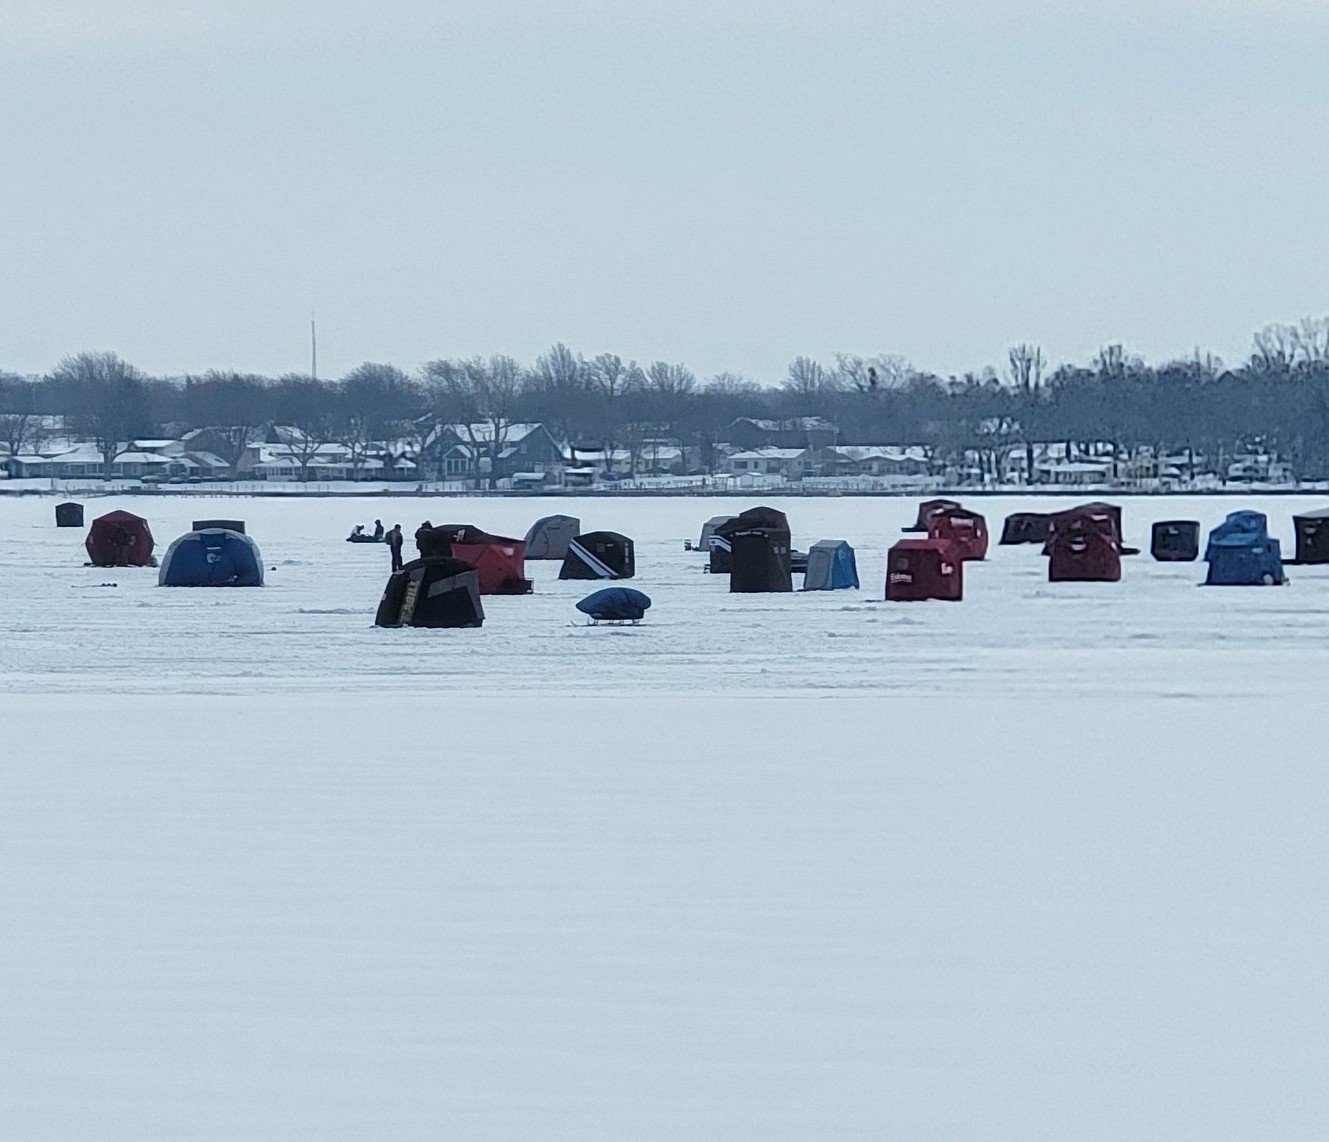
434 592
119 539
549 537
831 566
213 557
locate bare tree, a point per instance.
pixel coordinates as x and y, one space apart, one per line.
1276 349
308 407
234 407
1026 364
478 399
376 401
108 400
20 423
806 378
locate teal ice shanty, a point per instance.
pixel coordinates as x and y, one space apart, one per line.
831 566
1241 553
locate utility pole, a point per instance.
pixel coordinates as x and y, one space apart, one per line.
313 349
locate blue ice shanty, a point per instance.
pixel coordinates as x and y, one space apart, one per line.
1241 553
212 557
831 566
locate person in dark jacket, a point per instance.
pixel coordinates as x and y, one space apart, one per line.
423 540
378 531
394 545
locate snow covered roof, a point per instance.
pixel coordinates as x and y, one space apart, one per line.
895 453
485 434
770 454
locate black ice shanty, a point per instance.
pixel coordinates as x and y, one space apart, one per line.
599 555
433 592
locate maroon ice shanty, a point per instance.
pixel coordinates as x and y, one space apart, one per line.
1084 548
965 531
1061 519
923 569
119 539
500 561
927 509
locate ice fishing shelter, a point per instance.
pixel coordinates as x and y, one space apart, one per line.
1070 515
1175 541
500 561
760 556
1084 547
926 509
599 555
550 535
213 557
965 531
831 566
434 592
615 605
1312 532
919 569
69 515
716 544
1240 553
119 539
1024 527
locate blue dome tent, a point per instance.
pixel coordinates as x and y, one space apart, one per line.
213 557
1241 553
831 566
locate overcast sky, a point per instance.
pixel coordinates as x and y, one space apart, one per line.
727 184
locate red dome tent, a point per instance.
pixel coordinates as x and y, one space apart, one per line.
919 569
965 531
119 539
1085 547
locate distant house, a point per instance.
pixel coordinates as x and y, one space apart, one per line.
478 451
874 460
749 433
789 463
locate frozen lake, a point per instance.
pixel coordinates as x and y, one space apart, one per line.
1043 864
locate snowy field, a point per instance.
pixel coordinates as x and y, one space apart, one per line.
1045 864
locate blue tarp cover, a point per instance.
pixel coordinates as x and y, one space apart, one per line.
615 604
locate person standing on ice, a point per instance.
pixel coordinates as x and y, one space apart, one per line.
378 531
394 545
423 540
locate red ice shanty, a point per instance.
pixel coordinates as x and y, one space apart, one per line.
965 531
919 569
1084 547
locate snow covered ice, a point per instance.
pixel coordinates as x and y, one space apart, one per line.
1047 863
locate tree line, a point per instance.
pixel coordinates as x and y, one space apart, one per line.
1277 401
